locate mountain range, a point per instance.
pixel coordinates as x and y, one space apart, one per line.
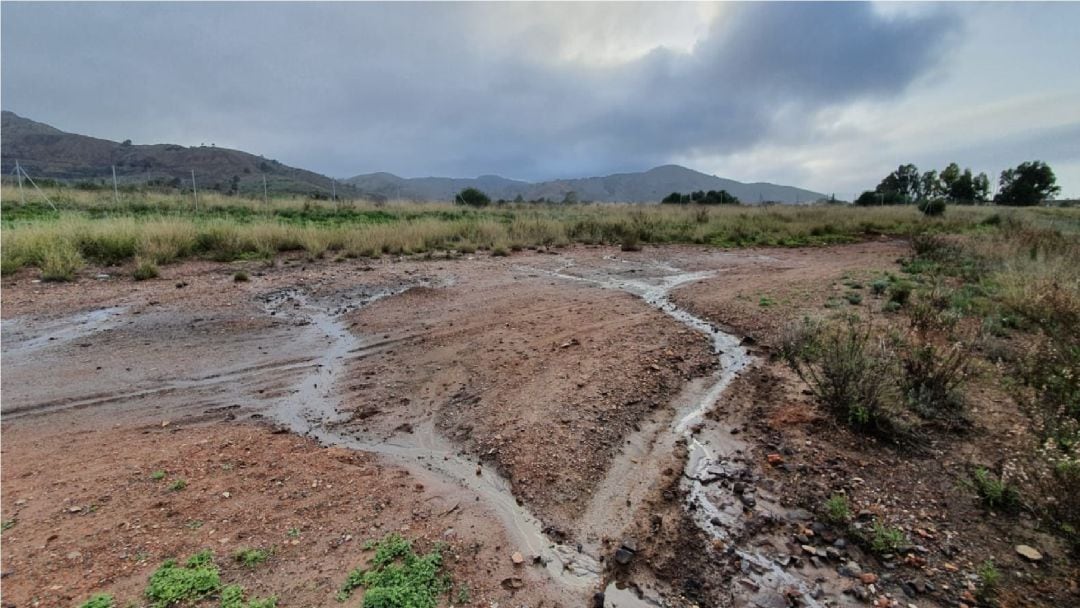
46 152
644 187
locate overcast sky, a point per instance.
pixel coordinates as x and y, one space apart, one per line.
829 97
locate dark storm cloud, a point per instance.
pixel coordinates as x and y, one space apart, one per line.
414 89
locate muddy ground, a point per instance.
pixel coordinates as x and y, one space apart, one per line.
521 404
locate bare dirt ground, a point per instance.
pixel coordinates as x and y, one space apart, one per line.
500 405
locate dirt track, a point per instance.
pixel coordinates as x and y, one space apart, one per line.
481 383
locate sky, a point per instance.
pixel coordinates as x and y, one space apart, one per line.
830 97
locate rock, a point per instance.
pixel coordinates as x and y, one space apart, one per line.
868 578
1029 553
517 558
623 556
748 500
775 459
850 569
512 583
598 599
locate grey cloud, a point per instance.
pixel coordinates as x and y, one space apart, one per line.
412 88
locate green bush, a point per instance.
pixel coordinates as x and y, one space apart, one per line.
886 539
101 600
932 207
932 382
837 509
472 197
61 262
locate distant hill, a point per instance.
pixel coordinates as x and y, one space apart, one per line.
644 187
47 152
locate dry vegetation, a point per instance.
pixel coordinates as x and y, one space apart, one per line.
154 228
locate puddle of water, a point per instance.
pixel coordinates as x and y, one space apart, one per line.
57 332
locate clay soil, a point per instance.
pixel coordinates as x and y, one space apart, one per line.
539 378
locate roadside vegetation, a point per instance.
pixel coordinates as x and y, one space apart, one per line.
999 306
149 230
396 577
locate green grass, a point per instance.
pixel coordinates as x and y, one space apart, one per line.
398 577
144 270
989 581
157 475
177 485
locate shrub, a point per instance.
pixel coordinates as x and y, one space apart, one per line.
631 241
177 485
145 269
879 286
472 197
932 382
848 373
853 298
60 262
989 580
900 292
932 207
232 596
240 277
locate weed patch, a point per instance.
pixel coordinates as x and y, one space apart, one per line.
172 584
398 577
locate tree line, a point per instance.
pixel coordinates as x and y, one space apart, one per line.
712 197
1030 183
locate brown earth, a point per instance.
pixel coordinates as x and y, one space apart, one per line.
543 379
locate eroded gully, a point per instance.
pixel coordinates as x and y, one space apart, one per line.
313 410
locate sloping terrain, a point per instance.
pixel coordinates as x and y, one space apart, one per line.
46 152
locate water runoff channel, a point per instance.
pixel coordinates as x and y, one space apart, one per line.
313 410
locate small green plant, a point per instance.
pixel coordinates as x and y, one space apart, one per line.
989 581
398 577
879 286
994 492
251 557
7 525
294 533
172 584
144 270
232 596
177 485
886 539
157 475
766 301
837 509
194 524
101 600
499 251
240 277
464 595
853 298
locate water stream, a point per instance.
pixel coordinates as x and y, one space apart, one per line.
314 410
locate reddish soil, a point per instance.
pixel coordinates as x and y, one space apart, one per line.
543 379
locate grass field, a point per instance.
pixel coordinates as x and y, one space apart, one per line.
153 228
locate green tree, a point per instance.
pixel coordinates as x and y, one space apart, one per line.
930 185
904 182
1028 184
472 197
